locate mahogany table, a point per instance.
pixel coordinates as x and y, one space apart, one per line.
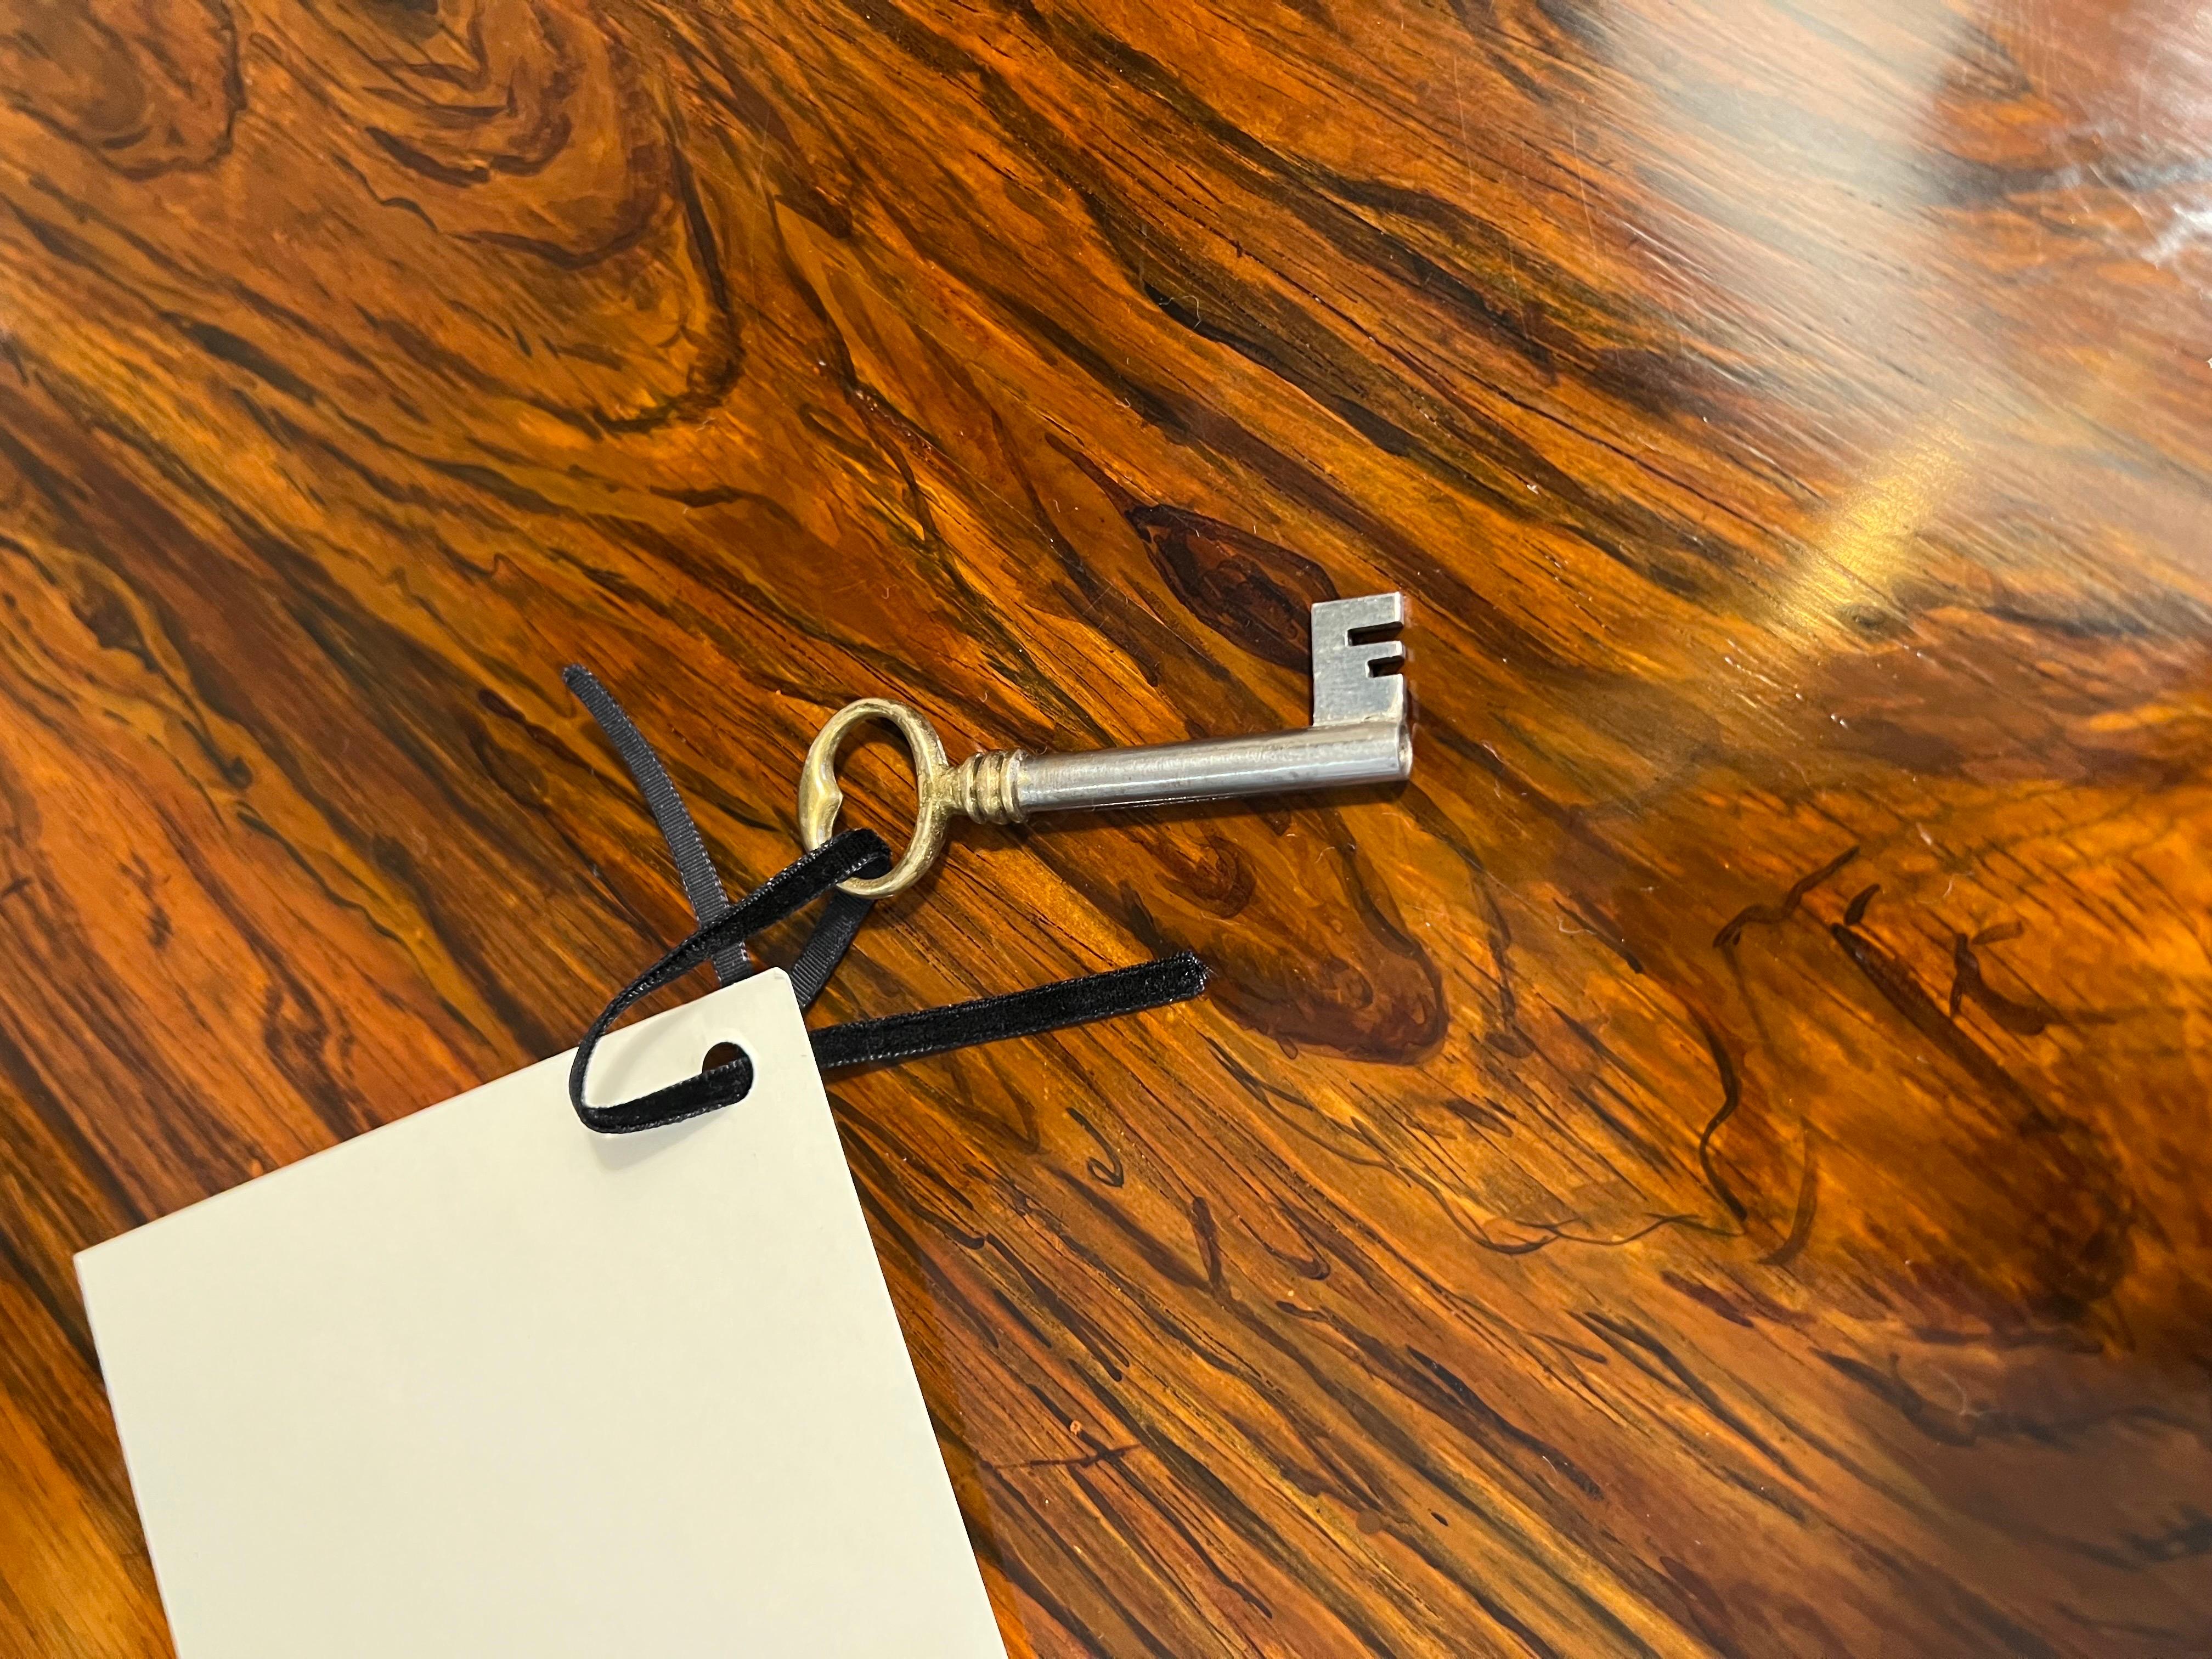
1716 1164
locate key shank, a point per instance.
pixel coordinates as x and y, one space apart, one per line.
1360 734
1212 769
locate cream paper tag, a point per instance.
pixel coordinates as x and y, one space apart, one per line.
481 1382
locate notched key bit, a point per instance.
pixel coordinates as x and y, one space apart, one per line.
1360 733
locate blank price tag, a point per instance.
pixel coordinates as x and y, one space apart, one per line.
484 1382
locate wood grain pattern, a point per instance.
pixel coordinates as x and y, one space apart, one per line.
1716 1165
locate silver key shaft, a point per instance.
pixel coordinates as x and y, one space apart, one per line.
1361 733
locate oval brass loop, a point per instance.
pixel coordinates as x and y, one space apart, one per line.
820 798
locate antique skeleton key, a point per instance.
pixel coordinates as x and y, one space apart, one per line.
1361 733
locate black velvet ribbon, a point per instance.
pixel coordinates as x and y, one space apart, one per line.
724 929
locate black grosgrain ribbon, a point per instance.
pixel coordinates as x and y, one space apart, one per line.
702 882
725 927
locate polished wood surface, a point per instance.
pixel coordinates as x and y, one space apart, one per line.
1716 1165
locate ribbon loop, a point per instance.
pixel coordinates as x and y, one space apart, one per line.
724 929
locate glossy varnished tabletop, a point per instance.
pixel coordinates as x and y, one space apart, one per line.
1716 1165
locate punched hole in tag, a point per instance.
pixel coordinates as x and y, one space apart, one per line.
724 1052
